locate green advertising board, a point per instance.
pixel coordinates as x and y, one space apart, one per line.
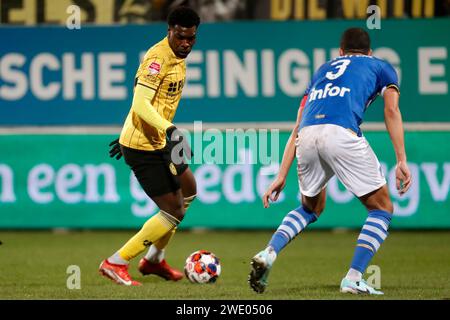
68 181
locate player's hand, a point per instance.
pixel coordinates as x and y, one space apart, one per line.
402 177
175 139
274 191
114 150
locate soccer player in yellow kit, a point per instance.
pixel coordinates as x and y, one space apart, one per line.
147 144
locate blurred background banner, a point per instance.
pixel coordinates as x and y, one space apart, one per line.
238 72
105 12
52 181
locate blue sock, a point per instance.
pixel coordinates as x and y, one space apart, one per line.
294 222
372 235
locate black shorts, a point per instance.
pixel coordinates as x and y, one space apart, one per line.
155 172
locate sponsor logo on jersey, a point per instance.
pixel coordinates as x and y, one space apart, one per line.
174 88
154 68
328 91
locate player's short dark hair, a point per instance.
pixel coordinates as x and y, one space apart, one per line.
355 40
183 16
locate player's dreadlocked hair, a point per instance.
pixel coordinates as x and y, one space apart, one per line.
355 40
184 17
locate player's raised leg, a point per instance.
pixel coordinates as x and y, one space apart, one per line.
313 176
293 223
162 223
154 261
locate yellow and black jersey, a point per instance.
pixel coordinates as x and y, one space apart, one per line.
165 73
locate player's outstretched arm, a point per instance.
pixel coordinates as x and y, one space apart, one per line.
274 191
142 105
394 125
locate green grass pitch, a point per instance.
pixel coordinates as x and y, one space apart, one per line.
414 265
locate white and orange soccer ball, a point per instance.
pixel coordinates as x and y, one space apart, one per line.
202 267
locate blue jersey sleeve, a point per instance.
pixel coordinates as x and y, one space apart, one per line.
388 78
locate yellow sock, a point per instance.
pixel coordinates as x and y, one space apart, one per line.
155 228
164 241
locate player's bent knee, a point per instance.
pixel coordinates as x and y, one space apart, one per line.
175 209
315 204
389 207
319 207
385 204
177 213
319 210
178 210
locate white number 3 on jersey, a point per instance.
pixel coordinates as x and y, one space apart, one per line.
341 65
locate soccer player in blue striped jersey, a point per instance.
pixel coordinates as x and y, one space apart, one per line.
327 141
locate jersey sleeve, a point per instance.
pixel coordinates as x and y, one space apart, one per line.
152 71
388 78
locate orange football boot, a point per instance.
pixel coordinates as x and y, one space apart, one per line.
117 273
161 269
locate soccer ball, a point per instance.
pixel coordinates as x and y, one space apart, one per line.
202 267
